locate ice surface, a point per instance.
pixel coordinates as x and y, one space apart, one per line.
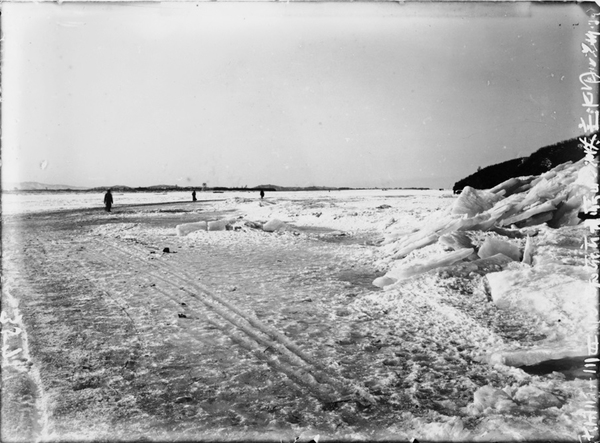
440 325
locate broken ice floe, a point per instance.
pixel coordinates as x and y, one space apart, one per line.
403 271
492 246
273 225
558 298
226 224
554 198
525 238
186 228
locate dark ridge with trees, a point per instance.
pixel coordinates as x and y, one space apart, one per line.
537 163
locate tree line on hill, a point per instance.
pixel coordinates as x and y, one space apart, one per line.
537 163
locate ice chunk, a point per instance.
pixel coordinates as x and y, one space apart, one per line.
492 246
402 271
537 219
565 237
488 397
481 222
425 237
535 397
185 228
273 225
253 225
510 233
587 175
450 429
456 240
381 282
528 251
557 298
513 185
492 264
411 246
482 266
566 213
534 356
472 201
218 225
537 209
507 185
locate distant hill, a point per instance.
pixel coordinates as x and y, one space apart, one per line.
537 163
294 188
36 186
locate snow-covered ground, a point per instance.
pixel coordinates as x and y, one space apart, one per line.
24 203
473 288
29 202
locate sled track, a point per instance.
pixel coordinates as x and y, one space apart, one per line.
289 358
265 343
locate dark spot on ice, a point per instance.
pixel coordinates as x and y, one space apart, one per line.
180 315
166 250
571 367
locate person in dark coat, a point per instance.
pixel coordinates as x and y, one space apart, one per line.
262 194
194 196
108 200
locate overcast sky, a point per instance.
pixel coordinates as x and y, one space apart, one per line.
234 94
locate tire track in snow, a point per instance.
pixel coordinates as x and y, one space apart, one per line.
299 366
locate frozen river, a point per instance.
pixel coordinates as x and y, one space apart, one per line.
28 202
134 331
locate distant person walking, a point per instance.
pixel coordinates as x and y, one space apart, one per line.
194 196
108 200
262 194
